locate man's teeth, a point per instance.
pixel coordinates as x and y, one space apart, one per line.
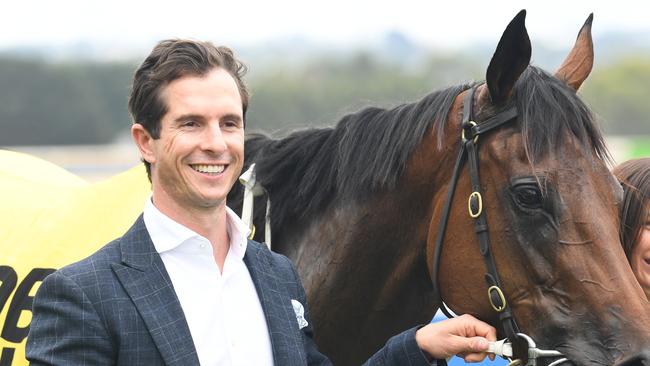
208 168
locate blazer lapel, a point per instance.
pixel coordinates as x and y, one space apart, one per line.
288 348
143 276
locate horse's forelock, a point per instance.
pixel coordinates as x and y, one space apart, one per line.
549 111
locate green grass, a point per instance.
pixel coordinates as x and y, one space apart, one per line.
640 148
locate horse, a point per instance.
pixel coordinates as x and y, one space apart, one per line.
357 208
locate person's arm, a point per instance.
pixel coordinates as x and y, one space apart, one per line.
402 349
65 327
432 344
465 336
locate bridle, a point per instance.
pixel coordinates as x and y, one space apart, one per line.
471 130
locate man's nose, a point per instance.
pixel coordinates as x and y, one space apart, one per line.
213 139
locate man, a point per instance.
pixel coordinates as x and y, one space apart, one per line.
183 286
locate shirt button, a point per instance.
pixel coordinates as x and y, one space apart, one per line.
202 245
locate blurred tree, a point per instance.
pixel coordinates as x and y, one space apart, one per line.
322 91
619 94
69 103
86 102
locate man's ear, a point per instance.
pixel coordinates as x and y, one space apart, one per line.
144 142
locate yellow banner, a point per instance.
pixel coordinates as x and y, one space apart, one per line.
49 218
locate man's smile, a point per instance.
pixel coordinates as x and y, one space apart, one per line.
208 168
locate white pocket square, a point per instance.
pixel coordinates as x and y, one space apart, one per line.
300 313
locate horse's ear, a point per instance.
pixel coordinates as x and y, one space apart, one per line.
577 65
510 59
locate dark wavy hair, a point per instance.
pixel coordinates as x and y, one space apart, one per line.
170 60
634 176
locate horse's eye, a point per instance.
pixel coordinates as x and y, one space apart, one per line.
528 196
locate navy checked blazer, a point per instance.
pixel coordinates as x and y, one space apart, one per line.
118 307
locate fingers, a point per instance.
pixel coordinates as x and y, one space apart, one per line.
464 335
474 357
475 327
467 345
480 334
476 347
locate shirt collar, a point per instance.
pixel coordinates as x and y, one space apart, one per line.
167 234
237 232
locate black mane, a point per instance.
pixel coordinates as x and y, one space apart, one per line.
365 151
368 150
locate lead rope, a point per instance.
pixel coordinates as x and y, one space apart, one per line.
253 189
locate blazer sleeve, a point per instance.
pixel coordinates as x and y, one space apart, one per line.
66 328
401 349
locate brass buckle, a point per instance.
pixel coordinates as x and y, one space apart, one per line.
252 234
479 198
462 132
498 309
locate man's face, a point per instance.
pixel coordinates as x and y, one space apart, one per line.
200 152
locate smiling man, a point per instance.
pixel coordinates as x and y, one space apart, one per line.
198 153
184 286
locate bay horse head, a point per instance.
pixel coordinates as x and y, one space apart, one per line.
357 206
542 215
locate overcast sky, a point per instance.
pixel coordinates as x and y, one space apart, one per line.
243 22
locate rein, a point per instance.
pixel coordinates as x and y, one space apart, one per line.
470 133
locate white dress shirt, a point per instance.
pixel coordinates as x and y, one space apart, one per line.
222 309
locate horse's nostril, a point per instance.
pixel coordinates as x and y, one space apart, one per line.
640 359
